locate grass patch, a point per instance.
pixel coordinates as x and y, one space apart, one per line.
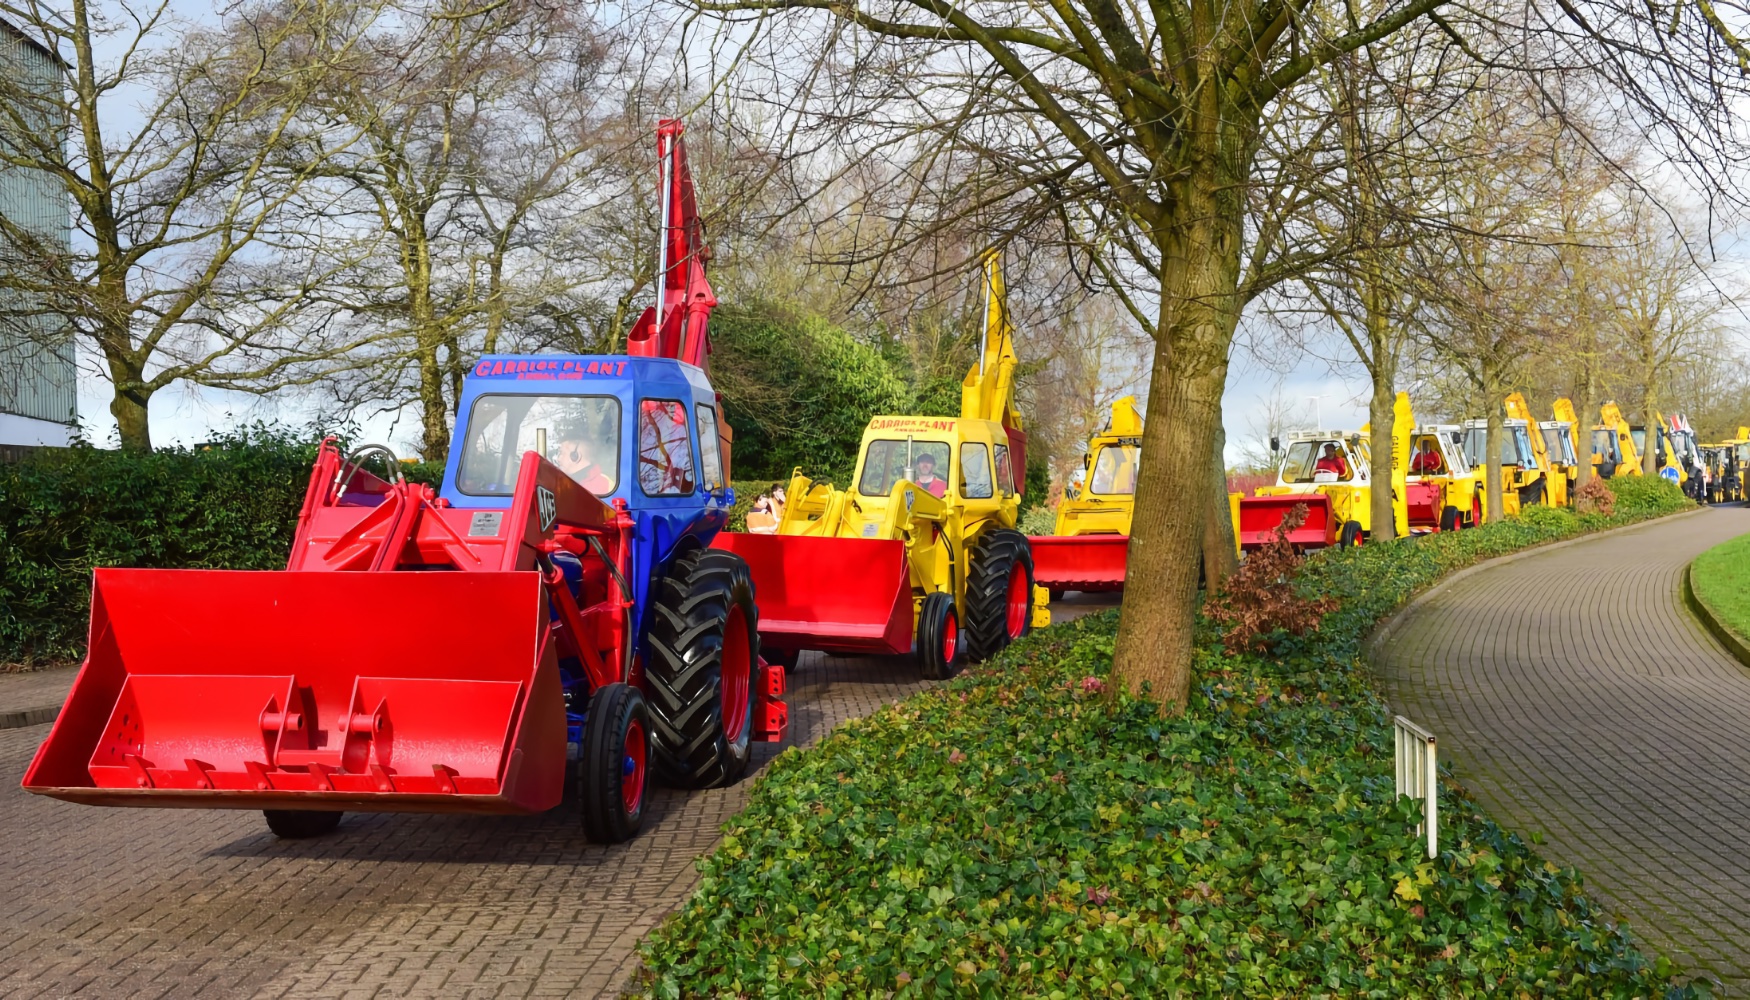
1721 578
1021 831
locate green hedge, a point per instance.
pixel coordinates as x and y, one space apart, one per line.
232 505
1018 833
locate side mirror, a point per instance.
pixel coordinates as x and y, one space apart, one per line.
1275 443
1087 460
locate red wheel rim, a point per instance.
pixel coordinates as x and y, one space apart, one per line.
736 674
1017 601
632 768
950 637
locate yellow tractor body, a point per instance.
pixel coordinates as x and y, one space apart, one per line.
1614 452
1107 497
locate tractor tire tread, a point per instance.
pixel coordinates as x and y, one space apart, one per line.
683 668
991 559
599 770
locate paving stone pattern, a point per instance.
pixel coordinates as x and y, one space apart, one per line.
170 902
1576 697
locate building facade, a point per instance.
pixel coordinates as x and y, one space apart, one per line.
38 387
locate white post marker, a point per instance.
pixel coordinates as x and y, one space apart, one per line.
1418 775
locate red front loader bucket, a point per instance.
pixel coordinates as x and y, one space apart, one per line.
1079 562
842 595
1422 502
1260 516
417 692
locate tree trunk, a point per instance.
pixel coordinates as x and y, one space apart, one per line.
1495 497
130 411
1200 308
1381 426
434 410
1583 432
1219 557
1650 420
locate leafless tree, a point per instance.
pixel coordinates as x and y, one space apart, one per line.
171 202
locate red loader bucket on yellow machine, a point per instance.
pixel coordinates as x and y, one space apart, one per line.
842 595
415 692
1079 562
1260 516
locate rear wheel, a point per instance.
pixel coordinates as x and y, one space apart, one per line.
1449 520
939 637
1533 494
999 592
301 824
613 770
703 643
1351 535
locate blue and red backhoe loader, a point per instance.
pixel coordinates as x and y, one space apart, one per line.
449 650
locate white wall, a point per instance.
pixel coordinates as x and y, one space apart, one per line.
18 430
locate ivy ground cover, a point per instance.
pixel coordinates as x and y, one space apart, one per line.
1022 831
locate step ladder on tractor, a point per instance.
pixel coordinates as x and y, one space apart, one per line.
556 600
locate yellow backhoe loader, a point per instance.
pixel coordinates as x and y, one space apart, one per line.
920 554
1558 442
1614 452
1551 466
1088 548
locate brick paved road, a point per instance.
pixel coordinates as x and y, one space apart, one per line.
1575 696
146 903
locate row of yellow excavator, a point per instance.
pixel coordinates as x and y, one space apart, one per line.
1439 471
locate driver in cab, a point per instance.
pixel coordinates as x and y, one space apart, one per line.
1330 461
1427 461
927 478
575 456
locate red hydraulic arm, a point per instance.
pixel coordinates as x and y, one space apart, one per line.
676 326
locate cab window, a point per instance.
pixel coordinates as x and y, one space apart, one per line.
1115 470
581 435
975 481
887 461
1005 476
710 447
1306 459
665 449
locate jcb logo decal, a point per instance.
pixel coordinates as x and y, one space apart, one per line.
547 505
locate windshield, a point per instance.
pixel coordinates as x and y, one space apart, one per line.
885 464
1515 445
1556 441
1115 470
1306 458
1639 436
1604 444
581 435
1427 458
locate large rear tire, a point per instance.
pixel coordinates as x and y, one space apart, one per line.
613 771
301 824
702 647
1449 519
1351 535
999 592
939 637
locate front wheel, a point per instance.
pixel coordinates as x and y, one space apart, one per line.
702 645
613 770
939 637
301 824
999 592
1449 519
1351 535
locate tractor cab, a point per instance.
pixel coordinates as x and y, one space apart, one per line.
1316 459
965 463
1558 440
1435 452
1439 484
641 430
1522 475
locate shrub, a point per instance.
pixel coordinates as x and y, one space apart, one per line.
1260 604
1020 832
1038 521
1645 496
1595 498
